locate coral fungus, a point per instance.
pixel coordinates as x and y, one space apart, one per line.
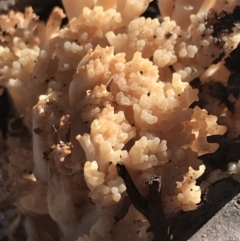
109 87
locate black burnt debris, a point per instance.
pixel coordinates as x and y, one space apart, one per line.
219 58
223 24
232 62
151 207
220 95
7 111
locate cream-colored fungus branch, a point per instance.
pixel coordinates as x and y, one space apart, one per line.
109 86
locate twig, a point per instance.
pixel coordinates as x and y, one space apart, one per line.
135 196
151 208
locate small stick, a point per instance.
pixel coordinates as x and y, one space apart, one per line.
156 215
135 196
151 208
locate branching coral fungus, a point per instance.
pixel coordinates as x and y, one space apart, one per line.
110 87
